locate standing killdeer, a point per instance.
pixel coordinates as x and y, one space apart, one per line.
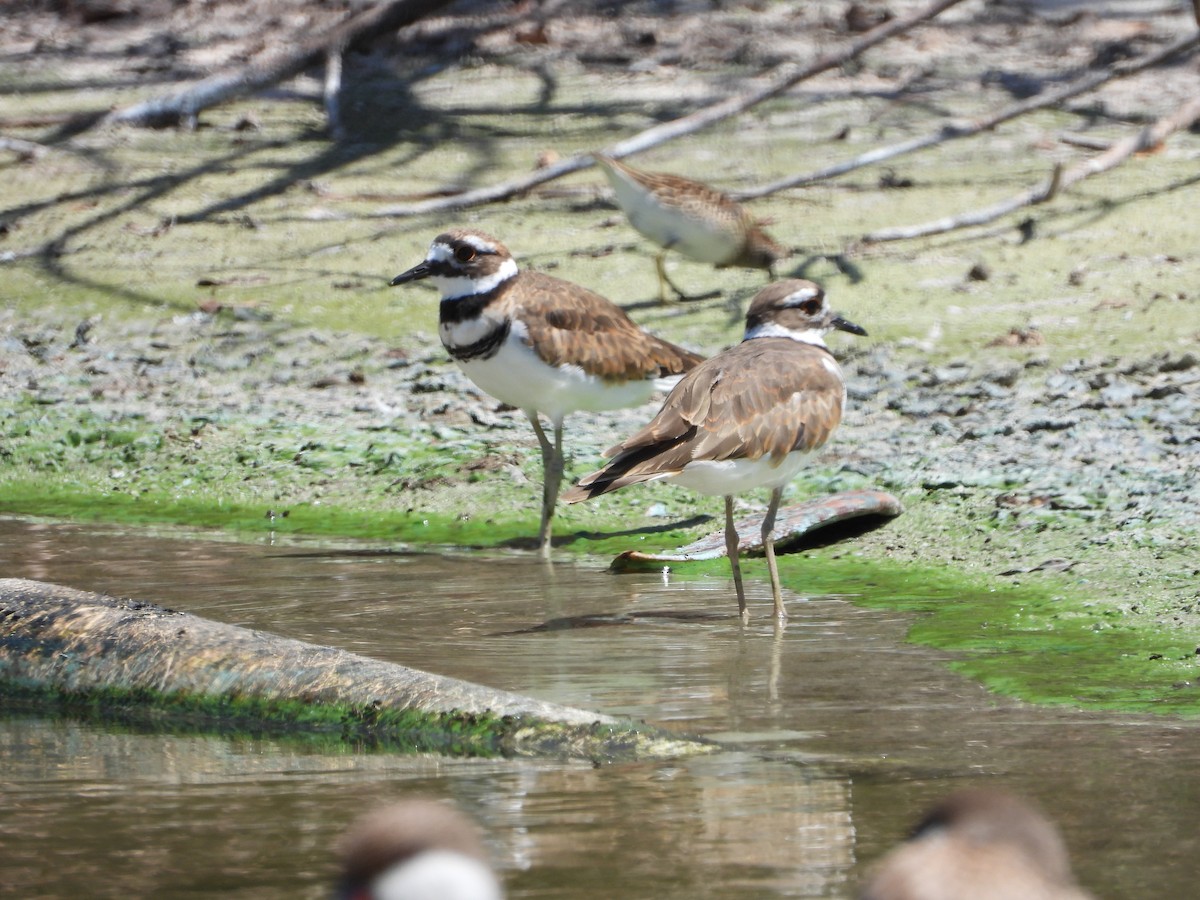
541 344
985 845
415 850
684 215
745 418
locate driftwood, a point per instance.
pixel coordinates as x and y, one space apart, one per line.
801 525
183 106
1060 179
84 650
956 130
783 78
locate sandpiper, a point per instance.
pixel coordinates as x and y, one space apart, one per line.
541 344
982 844
694 219
744 419
415 850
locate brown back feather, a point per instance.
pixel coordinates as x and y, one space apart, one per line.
763 397
569 324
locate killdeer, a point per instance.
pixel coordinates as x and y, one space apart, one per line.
541 344
745 418
694 219
415 850
985 845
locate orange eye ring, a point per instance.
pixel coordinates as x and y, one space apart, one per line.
811 307
464 253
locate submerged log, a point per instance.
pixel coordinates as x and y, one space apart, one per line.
797 527
83 652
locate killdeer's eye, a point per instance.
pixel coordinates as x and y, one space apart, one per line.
811 307
464 253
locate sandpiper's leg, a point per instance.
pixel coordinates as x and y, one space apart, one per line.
664 282
768 539
731 548
550 480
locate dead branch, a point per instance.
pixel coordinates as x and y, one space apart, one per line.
782 78
333 93
23 149
1146 139
183 106
955 130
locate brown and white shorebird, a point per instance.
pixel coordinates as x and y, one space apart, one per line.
542 344
981 844
415 850
744 419
691 218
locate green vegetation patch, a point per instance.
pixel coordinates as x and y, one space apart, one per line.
332 726
1028 642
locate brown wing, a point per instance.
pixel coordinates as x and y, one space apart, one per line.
764 397
692 197
570 325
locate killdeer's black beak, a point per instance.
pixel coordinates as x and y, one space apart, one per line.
840 324
417 272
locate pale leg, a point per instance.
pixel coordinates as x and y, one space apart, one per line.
552 470
768 539
731 548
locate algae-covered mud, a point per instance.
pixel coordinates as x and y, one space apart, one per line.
197 327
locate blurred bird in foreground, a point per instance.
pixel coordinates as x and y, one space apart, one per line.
415 850
978 845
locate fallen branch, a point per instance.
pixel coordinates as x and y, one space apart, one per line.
1147 138
183 106
956 130
24 149
74 649
333 93
784 77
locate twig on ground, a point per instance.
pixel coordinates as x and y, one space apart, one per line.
955 130
24 149
1147 138
784 77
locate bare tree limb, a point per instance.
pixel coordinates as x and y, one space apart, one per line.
333 90
1147 138
955 130
783 77
24 149
183 106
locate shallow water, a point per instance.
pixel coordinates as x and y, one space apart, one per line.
839 733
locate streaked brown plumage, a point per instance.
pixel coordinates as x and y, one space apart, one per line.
541 344
978 844
698 221
744 418
570 325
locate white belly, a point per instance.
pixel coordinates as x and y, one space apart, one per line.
517 376
736 476
667 226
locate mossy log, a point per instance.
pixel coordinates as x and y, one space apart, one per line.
109 657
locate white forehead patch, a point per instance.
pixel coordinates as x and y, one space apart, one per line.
442 252
801 296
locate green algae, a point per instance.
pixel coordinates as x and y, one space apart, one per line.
342 727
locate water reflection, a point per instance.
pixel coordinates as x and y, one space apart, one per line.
843 734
